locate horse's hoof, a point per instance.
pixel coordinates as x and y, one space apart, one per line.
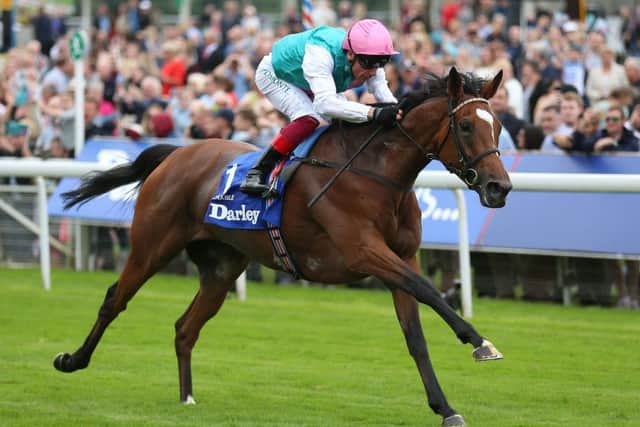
453 421
189 400
62 362
486 351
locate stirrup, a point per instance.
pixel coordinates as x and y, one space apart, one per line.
253 184
254 189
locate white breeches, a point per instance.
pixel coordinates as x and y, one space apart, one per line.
285 97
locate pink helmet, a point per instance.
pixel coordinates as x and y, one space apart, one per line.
369 37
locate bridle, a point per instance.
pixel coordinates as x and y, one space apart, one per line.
465 171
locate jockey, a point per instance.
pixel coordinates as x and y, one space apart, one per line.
303 75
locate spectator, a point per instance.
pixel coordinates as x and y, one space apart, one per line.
210 55
530 137
102 19
514 88
571 108
238 70
586 129
614 137
230 17
179 109
574 71
223 123
532 88
499 103
174 71
42 29
632 71
603 79
60 74
94 125
550 123
14 143
245 126
137 101
202 125
633 124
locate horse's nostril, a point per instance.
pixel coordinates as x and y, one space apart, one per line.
498 189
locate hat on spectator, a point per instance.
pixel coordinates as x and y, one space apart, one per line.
225 113
161 125
145 4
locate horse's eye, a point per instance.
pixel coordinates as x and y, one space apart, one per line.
465 126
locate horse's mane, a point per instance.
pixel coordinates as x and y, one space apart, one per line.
434 86
431 86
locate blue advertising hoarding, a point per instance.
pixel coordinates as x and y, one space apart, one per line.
531 221
544 222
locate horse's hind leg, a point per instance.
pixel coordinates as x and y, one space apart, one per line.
146 258
408 315
219 266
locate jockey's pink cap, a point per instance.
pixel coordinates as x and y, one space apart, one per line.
369 37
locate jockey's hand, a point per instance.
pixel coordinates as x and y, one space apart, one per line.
387 116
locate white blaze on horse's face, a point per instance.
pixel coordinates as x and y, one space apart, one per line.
487 117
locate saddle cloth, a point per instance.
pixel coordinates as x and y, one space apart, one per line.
230 208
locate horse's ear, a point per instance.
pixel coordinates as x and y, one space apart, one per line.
454 84
490 88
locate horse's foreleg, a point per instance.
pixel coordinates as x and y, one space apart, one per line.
376 258
408 316
219 267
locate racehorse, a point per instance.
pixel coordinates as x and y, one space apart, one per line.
366 223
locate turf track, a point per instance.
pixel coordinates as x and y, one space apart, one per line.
293 356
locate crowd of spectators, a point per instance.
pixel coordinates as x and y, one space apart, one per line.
567 86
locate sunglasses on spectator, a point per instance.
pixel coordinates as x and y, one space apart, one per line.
369 62
612 119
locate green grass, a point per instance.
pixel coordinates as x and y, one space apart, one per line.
292 356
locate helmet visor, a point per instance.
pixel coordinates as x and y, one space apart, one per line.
369 62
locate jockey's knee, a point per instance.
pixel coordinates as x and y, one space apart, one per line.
300 128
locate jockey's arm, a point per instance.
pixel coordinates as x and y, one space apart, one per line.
317 66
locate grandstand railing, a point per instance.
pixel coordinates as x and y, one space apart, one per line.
562 182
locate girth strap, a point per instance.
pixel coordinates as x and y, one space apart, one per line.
280 249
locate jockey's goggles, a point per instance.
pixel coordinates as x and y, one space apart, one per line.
369 62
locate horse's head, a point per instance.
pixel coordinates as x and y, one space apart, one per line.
459 128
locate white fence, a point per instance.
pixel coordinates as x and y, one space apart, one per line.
432 179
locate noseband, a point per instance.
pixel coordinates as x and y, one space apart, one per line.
466 171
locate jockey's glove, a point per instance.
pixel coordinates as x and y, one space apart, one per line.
386 116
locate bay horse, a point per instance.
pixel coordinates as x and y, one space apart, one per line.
364 224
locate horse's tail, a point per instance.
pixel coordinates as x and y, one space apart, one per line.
98 183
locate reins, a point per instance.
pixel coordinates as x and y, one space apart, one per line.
465 172
344 167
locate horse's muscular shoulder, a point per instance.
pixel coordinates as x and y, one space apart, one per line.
409 233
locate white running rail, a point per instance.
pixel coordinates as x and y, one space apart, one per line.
573 182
